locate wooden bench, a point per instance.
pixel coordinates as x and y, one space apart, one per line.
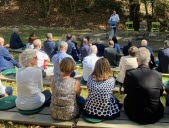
46 80
44 118
15 50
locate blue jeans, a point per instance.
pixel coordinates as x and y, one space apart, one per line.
81 102
9 90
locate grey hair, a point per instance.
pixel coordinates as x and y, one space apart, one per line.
15 30
26 57
166 44
97 40
111 43
85 41
73 38
143 55
37 42
144 43
93 49
63 44
49 35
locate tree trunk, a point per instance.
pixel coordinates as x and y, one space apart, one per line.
147 16
134 13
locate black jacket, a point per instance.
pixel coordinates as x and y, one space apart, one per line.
143 87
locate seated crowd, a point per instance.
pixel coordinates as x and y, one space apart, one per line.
142 83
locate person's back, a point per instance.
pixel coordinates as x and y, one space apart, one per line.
6 60
63 105
65 90
101 102
4 63
28 82
126 48
127 62
15 41
50 46
163 56
56 59
143 87
89 63
110 53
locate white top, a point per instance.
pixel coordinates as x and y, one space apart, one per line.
88 65
42 56
29 87
114 18
28 45
126 63
2 88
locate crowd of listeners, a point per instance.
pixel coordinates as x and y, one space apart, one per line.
139 75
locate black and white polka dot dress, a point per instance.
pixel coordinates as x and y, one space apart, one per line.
100 101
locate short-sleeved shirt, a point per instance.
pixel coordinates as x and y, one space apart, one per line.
42 56
56 59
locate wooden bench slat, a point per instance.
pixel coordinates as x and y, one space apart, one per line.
36 119
119 124
45 110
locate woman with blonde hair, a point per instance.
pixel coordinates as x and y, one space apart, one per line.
30 94
101 102
65 91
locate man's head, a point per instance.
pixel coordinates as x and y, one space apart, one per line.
1 41
166 44
49 36
98 40
114 12
133 51
143 43
16 30
111 43
143 56
85 41
37 43
63 46
69 37
93 49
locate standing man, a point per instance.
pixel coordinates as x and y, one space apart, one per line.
50 46
113 24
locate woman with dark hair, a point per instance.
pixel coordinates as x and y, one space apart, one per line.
30 41
101 103
116 45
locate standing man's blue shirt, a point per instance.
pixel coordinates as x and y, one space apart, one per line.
6 60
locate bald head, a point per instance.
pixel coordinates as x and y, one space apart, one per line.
1 41
37 44
93 49
111 43
144 43
63 46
